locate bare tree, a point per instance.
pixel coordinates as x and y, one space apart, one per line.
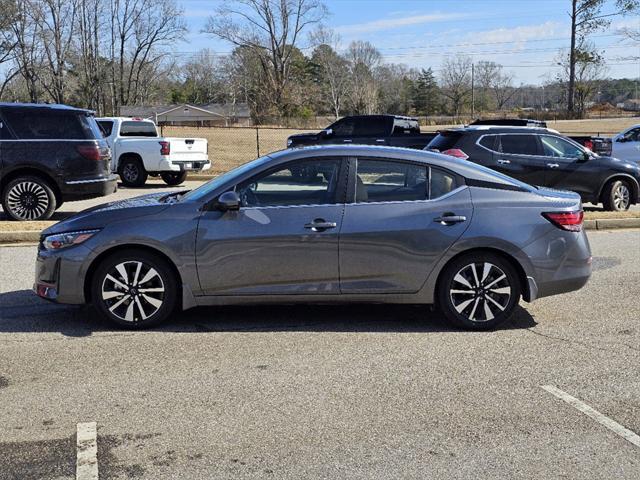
455 79
333 67
503 90
8 13
494 82
589 70
28 54
363 60
270 29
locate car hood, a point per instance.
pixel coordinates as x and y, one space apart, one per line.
622 165
101 215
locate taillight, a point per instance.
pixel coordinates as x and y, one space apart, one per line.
589 144
165 148
90 152
571 221
456 152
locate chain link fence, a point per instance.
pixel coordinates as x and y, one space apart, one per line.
230 147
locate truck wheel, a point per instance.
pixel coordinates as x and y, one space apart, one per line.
617 196
173 178
28 198
132 172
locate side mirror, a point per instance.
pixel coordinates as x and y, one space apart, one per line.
586 156
327 132
622 139
228 201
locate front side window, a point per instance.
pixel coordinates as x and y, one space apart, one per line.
632 135
106 126
50 124
307 182
389 181
559 148
138 129
343 128
519 144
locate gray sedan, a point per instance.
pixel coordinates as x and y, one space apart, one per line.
330 224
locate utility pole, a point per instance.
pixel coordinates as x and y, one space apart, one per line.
473 91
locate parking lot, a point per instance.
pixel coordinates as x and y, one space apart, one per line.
326 392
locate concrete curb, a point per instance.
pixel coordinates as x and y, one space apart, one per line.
33 236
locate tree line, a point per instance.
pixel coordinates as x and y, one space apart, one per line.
102 54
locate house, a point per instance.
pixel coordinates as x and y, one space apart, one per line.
632 104
213 114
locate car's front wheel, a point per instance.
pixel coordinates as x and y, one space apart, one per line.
173 178
134 289
617 196
28 198
478 291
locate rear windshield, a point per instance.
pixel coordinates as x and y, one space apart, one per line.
138 129
51 124
444 141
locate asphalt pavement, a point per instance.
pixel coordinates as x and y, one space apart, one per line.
327 392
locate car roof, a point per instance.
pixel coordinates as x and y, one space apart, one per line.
464 168
50 106
501 129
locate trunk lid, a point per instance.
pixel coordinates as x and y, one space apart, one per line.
187 149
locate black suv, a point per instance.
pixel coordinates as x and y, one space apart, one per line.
390 130
50 154
541 156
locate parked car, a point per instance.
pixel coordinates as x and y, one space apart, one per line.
138 151
50 154
378 224
626 145
599 145
543 157
391 130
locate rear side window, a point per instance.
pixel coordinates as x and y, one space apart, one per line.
371 127
442 182
389 181
138 129
405 127
444 141
488 141
106 126
50 124
519 144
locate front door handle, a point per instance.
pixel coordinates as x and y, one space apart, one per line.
450 219
320 225
380 140
502 161
553 165
347 140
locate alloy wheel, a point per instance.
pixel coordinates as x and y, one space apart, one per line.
27 200
480 291
130 172
621 197
133 291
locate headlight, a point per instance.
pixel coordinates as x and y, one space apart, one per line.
63 240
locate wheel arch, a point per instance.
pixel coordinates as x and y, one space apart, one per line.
93 266
620 176
35 172
522 276
129 155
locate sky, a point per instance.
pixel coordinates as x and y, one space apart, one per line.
522 35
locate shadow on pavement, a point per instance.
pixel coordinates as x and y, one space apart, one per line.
22 312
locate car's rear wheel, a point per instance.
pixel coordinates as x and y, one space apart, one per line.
28 198
617 196
478 291
134 289
173 178
132 172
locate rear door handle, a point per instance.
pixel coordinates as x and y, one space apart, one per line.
553 165
320 225
347 140
503 162
380 140
450 219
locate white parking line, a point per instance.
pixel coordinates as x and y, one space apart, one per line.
597 416
87 456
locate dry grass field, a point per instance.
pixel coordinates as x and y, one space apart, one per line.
230 147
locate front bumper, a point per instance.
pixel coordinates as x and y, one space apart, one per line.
60 274
89 188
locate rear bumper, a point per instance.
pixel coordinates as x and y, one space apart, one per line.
189 165
83 189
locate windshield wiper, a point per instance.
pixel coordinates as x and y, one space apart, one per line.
173 197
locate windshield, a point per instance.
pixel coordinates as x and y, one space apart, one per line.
205 189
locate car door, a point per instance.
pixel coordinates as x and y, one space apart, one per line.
519 157
626 146
568 168
401 218
372 129
284 238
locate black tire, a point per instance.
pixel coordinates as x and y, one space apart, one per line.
134 307
469 310
616 196
28 198
132 172
173 178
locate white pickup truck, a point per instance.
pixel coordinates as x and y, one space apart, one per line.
137 151
626 145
